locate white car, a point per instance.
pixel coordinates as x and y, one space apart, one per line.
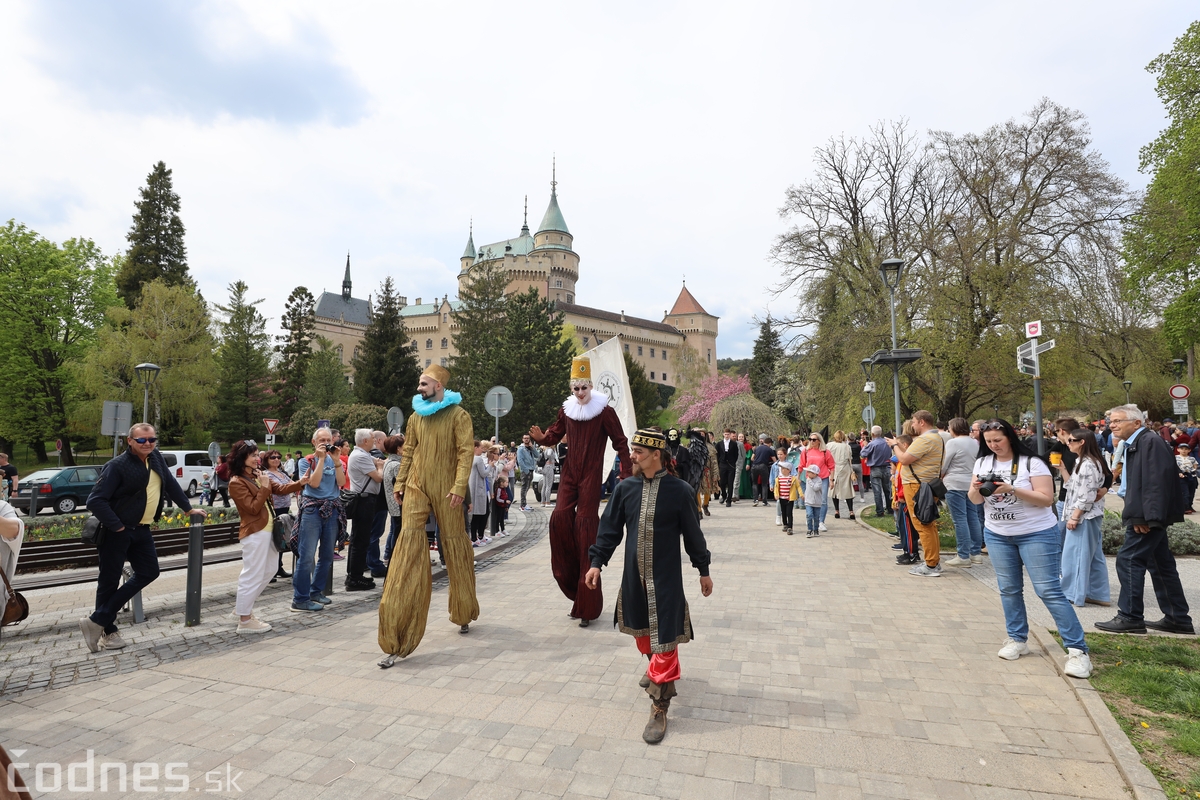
189 467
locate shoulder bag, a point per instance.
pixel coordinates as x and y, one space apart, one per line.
281 532
16 607
93 532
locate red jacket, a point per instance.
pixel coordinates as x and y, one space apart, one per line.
822 458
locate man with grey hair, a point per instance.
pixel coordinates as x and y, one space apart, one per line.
878 458
374 563
1150 487
365 473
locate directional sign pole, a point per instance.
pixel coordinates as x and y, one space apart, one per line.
1037 412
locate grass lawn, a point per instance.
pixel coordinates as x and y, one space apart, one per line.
1152 686
888 523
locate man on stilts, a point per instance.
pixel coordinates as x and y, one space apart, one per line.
655 510
438 449
587 421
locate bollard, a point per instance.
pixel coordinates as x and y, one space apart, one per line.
329 579
195 570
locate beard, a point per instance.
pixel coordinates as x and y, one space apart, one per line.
426 394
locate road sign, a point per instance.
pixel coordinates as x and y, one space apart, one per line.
498 401
322 423
58 445
1179 392
270 423
1041 348
1180 407
1027 362
270 439
395 419
117 418
868 415
214 452
1033 329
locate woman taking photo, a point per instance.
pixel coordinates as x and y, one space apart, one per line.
1019 526
843 474
1084 571
252 490
281 503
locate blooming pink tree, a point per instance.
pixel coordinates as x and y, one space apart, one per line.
697 405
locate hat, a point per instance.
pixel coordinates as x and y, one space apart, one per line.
649 437
581 368
813 469
785 464
1168 419
438 373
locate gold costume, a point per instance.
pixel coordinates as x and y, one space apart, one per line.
438 450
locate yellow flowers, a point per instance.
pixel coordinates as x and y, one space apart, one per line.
1145 725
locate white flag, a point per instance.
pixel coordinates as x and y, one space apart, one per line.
609 376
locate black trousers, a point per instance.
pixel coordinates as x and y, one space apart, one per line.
760 477
785 511
135 545
478 526
360 536
1148 552
728 478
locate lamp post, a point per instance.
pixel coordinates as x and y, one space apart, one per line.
149 374
890 269
1178 364
1127 385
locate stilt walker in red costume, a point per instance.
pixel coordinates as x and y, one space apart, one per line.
588 422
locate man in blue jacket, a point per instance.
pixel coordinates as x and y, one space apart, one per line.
527 458
127 498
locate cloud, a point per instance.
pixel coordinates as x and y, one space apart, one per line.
149 57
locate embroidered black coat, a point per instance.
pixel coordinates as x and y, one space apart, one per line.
654 514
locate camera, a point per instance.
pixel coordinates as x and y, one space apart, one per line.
991 482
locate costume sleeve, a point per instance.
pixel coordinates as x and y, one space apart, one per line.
613 430
693 537
412 435
464 443
612 528
555 433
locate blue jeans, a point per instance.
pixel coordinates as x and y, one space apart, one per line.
824 498
968 527
1041 557
813 516
391 540
881 485
1084 572
316 534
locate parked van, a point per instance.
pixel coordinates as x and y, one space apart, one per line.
189 467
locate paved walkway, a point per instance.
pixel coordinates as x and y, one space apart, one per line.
821 669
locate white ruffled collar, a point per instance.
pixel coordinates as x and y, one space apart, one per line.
581 413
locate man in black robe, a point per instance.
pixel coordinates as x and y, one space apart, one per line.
655 509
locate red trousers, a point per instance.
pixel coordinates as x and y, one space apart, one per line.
664 667
572 531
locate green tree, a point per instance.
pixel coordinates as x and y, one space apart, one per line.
385 366
1162 239
325 382
768 350
243 363
643 393
156 248
294 349
538 361
170 326
479 340
52 300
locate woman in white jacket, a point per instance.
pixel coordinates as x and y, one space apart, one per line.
1084 571
12 533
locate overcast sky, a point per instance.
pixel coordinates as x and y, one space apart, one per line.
300 131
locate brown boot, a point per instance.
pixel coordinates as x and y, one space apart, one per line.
656 727
645 681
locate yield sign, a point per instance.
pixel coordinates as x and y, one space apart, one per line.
270 423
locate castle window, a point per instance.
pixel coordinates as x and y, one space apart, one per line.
356 352
652 352
341 360
428 362
664 376
445 317
428 344
585 341
445 362
710 356
558 284
651 376
639 349
445 343
691 322
664 355
626 348
570 298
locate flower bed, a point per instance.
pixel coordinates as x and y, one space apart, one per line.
69 527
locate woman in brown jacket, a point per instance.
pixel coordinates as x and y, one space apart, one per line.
251 490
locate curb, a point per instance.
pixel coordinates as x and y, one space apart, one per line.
1141 781
439 572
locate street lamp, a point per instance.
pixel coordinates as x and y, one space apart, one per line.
1179 364
1127 385
149 374
890 269
869 388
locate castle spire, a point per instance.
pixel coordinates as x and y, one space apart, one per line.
525 220
346 280
553 220
470 251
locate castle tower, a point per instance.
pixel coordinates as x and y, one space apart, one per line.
468 256
700 327
553 249
346 279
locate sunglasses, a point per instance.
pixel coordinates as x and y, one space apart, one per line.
145 439
251 443
992 426
1075 441
273 458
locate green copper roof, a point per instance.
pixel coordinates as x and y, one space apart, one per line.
553 221
470 251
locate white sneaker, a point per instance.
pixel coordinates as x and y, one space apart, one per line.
1079 663
253 625
925 571
958 562
822 529
977 559
1012 650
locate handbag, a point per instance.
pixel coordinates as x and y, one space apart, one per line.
93 532
350 501
281 532
16 607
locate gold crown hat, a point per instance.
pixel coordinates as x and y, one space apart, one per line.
650 437
438 373
581 368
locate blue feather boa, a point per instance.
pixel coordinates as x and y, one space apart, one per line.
426 407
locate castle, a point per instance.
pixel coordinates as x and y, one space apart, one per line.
546 260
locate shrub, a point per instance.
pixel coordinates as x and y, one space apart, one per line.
345 417
1182 537
747 413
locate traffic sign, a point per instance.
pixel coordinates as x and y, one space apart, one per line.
868 415
1041 348
1180 407
58 445
1179 392
498 401
270 439
1033 329
395 420
117 418
214 452
270 423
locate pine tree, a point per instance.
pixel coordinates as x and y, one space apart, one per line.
480 343
243 361
538 360
156 248
325 379
767 353
385 368
295 350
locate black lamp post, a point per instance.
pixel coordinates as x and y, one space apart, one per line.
149 374
1127 385
891 269
1179 364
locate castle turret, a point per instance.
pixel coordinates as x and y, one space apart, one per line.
552 247
346 279
468 256
700 327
